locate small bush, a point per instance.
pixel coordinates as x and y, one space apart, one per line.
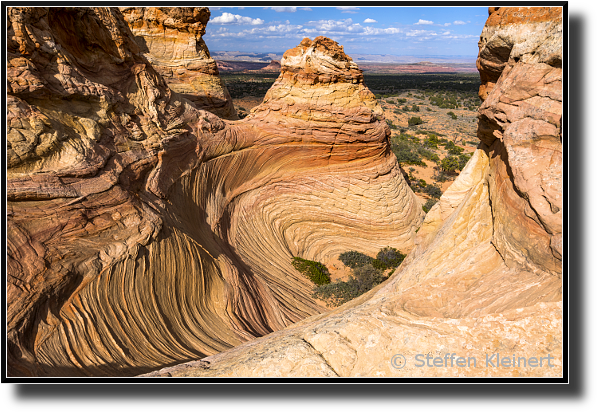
415 120
367 277
455 150
428 205
354 259
452 115
364 278
463 160
388 258
433 191
406 154
315 271
452 163
415 108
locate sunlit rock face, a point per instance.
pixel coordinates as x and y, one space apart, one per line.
485 276
171 39
144 231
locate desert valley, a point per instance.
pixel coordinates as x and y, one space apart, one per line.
170 214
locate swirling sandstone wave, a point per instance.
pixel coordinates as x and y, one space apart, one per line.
143 231
485 276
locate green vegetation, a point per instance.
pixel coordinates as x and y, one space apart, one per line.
388 258
406 153
451 163
452 115
415 120
315 271
428 205
241 85
355 259
367 273
447 91
362 280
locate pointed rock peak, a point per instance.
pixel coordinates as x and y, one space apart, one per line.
321 60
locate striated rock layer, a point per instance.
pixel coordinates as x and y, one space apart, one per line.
143 231
485 277
171 39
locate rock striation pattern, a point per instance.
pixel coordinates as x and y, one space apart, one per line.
171 39
485 276
144 231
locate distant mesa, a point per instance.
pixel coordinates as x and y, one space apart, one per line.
249 67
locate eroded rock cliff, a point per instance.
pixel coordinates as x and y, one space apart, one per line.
144 231
485 276
171 39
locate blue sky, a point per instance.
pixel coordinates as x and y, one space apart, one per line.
402 31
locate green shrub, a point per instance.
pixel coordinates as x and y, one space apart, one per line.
366 277
415 120
415 108
431 143
363 279
354 259
406 153
452 115
433 191
428 154
450 164
428 205
455 150
388 258
315 271
463 160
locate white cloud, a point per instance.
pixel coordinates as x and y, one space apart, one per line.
374 31
413 33
327 27
424 22
369 20
229 18
447 24
305 9
351 10
459 22
284 9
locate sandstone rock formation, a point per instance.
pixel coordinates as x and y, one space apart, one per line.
273 66
485 276
171 39
144 231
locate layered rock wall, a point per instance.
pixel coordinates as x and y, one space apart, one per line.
143 231
171 39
